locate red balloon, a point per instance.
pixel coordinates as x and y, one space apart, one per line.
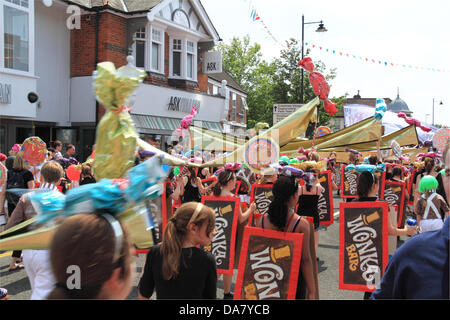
72 173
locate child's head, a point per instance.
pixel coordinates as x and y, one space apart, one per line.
367 184
96 249
192 223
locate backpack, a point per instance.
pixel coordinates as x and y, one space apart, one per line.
15 181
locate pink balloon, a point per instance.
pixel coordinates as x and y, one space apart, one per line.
319 84
330 107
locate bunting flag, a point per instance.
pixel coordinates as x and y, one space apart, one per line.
375 61
255 17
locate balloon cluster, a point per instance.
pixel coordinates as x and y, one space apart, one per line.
412 121
319 84
380 109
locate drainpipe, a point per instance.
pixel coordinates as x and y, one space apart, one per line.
97 16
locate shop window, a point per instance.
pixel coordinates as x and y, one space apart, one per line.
16 35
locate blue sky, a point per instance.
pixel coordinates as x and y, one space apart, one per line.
415 33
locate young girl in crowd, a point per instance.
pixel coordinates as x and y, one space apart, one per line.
193 187
224 188
176 268
99 247
308 201
282 217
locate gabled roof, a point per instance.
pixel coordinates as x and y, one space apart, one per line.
230 80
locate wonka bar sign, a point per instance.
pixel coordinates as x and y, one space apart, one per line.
269 265
224 242
262 195
394 193
326 209
349 183
363 244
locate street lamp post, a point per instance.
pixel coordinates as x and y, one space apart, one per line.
440 103
321 28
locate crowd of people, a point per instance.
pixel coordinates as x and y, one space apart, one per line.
175 268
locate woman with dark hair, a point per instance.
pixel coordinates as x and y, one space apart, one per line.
100 249
308 201
176 268
282 217
224 188
193 187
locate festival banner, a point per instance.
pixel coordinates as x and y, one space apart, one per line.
269 265
363 131
394 193
224 242
325 205
349 183
363 244
262 195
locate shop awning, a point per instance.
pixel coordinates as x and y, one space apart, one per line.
168 124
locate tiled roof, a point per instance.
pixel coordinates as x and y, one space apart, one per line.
125 6
230 80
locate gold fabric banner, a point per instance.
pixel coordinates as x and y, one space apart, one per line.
405 137
363 131
284 131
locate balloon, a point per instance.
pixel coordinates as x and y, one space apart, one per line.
360 168
396 148
284 160
34 152
428 183
176 171
306 64
412 121
294 160
73 173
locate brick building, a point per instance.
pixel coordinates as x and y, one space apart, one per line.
169 39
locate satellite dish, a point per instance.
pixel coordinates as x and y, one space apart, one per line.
32 97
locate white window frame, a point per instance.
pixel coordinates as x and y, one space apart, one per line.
161 44
184 52
144 39
31 47
233 106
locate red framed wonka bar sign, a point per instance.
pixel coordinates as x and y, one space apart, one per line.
224 242
269 265
363 244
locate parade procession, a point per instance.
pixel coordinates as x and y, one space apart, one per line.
165 173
